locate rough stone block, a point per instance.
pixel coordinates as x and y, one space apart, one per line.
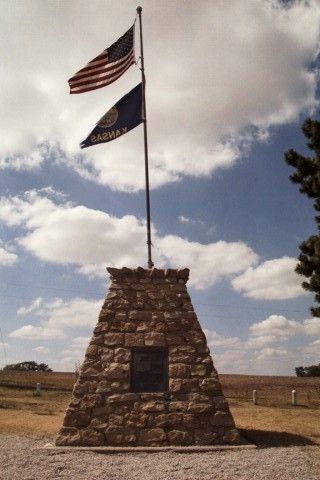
182 350
106 315
117 371
175 385
107 355
68 437
123 398
122 355
190 420
134 339
116 435
92 351
167 420
195 407
199 397
220 403
116 420
173 339
157 273
179 370
204 438
113 338
91 437
179 437
178 406
137 419
120 386
143 327
91 400
76 418
231 436
142 315
97 339
222 419
153 407
155 339
152 435
194 337
190 384
198 370
209 384
97 424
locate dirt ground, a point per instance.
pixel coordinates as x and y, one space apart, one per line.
23 413
288 438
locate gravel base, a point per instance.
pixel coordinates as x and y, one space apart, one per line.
19 460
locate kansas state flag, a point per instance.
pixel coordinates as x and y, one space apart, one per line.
122 117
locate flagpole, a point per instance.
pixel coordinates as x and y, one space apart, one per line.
144 115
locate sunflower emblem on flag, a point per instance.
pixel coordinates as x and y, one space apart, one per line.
109 118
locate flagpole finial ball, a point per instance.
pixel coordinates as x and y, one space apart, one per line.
139 9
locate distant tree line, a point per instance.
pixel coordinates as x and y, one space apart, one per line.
312 371
29 366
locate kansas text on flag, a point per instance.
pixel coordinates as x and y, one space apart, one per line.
122 117
106 67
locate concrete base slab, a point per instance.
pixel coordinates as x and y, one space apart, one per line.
175 449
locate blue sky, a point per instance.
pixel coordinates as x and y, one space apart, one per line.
228 86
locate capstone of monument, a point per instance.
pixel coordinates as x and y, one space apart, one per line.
148 378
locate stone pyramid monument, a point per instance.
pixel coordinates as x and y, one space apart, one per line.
148 377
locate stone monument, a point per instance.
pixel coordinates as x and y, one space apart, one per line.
148 377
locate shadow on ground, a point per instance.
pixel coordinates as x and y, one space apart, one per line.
264 438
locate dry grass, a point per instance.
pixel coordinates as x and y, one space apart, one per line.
59 380
272 391
273 422
271 425
22 412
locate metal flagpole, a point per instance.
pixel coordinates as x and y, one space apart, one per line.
144 118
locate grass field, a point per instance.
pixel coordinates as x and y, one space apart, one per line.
274 421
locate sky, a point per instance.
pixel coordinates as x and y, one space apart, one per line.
228 87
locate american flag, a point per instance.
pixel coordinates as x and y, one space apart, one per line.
106 67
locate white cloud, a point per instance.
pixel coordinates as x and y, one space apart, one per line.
272 353
311 326
30 308
77 347
41 349
208 263
216 340
72 357
58 315
312 351
80 342
277 326
183 219
7 258
271 280
262 340
78 312
31 332
91 239
267 347
194 222
254 355
202 109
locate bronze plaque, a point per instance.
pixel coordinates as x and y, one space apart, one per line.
149 369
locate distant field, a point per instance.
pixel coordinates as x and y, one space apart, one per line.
271 390
272 422
49 380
